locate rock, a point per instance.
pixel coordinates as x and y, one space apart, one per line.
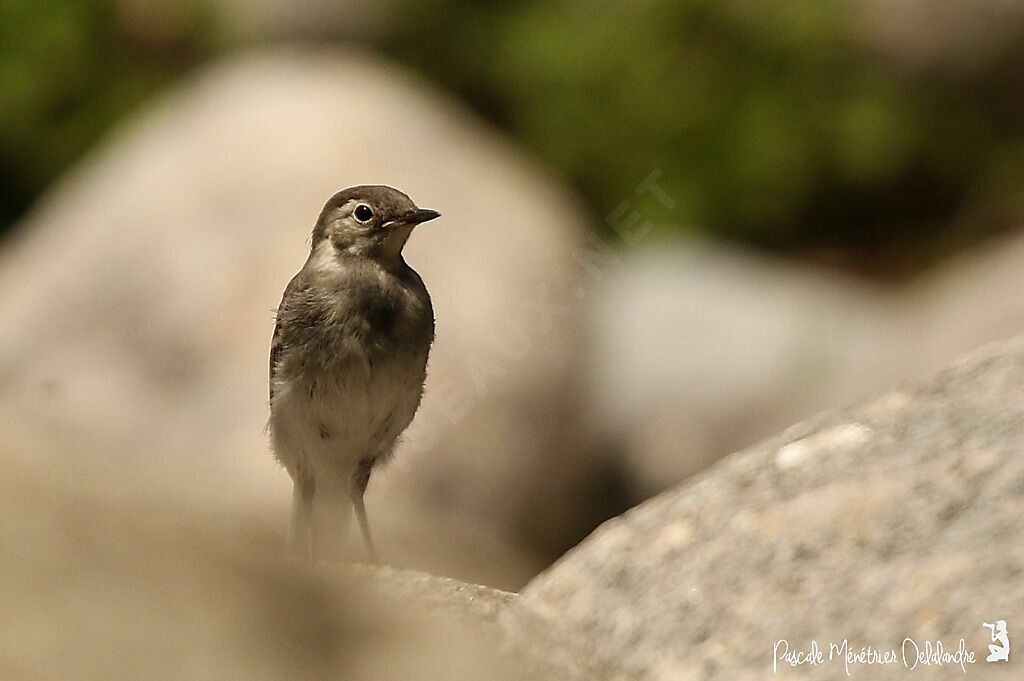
136 305
472 602
897 518
97 587
288 20
955 36
714 348
963 304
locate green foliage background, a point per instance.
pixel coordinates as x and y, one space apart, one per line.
769 121
69 70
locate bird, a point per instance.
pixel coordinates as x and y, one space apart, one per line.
348 361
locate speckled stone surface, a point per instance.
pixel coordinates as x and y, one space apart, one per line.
900 518
428 592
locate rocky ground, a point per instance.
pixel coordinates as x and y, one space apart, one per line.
896 518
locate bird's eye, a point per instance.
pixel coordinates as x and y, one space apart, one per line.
363 213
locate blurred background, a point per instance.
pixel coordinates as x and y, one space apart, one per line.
878 137
671 228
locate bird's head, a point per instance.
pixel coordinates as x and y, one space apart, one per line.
371 221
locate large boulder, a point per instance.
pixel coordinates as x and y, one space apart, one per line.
896 519
104 581
136 303
713 348
702 349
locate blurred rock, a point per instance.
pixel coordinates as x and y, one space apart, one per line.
963 304
473 602
136 305
899 518
713 348
96 587
958 36
290 20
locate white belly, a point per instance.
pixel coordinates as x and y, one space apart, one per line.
324 428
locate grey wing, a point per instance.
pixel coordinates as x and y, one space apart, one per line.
278 344
276 348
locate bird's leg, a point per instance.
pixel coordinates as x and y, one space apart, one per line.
360 479
300 540
331 511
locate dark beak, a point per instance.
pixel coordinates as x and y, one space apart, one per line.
418 215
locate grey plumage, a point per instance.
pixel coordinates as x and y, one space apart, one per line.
347 361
